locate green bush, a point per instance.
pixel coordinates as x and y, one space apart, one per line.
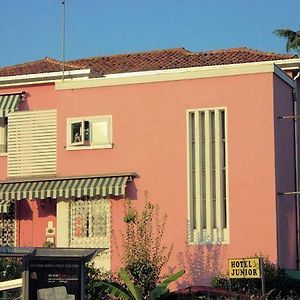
129 291
94 277
10 268
145 274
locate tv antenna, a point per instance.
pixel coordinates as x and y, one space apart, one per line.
63 39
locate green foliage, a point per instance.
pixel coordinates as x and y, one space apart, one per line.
10 268
132 292
278 286
48 244
117 291
162 288
144 252
293 38
94 278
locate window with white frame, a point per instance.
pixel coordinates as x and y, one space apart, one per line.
89 223
89 132
3 135
207 176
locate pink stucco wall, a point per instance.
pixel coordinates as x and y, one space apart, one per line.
33 218
149 137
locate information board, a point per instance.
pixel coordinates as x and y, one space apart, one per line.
244 268
47 274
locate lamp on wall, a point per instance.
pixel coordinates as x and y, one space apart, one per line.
23 96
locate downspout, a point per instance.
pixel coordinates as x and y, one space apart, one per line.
296 145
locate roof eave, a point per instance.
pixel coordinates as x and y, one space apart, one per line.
288 64
45 77
178 74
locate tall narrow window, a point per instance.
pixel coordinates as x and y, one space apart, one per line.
207 165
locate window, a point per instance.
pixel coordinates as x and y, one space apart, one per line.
89 223
207 176
89 132
3 135
8 226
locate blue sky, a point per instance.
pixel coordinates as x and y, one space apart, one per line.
31 29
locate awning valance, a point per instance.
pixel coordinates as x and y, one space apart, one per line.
9 103
92 186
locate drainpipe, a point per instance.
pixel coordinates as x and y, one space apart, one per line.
296 141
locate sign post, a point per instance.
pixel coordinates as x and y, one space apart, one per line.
263 285
248 268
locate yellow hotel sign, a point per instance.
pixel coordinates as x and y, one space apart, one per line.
244 268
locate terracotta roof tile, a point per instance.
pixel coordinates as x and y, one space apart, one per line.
147 61
45 65
175 58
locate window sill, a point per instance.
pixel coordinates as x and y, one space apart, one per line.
219 243
197 238
3 154
74 148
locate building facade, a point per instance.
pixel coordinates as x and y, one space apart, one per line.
211 138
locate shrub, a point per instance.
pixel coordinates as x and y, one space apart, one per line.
131 292
144 252
94 277
10 268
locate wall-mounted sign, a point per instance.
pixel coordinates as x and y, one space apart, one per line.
16 251
244 268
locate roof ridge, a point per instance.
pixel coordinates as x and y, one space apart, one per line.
182 49
59 62
246 49
23 64
47 59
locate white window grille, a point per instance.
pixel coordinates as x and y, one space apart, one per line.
8 226
207 176
89 223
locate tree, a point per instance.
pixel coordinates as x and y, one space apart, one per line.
144 254
293 38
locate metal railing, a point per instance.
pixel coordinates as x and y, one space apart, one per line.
11 289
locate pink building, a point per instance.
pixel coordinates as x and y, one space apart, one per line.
210 135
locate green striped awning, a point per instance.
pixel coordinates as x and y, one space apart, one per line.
64 187
9 103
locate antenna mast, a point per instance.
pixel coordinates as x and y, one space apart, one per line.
63 32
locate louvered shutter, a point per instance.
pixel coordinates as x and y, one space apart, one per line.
32 143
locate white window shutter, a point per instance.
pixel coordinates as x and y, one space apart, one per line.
32 139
